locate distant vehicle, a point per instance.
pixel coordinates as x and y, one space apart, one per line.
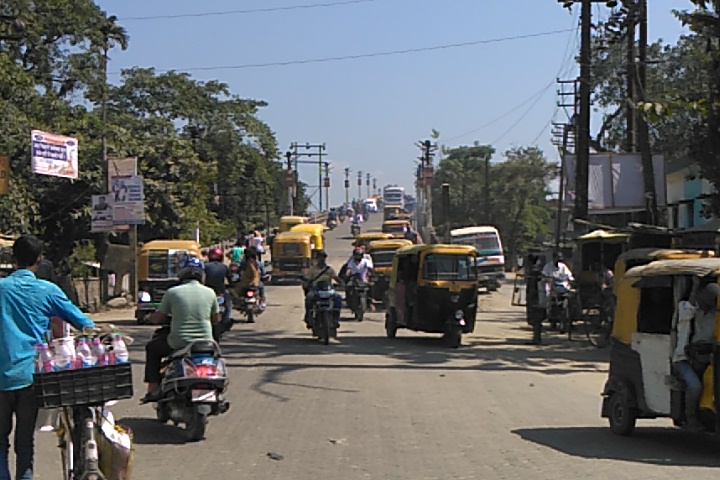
371 205
394 195
490 259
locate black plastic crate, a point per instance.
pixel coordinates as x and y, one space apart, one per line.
84 386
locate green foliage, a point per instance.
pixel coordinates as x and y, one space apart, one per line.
83 252
205 156
516 194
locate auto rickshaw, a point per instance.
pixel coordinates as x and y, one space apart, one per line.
433 288
291 255
382 253
316 232
157 270
396 228
289 221
641 382
390 211
364 239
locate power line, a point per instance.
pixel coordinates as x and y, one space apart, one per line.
522 117
254 10
368 55
515 108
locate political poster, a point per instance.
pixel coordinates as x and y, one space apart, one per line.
128 200
101 219
54 155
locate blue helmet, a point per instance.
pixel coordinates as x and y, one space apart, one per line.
191 268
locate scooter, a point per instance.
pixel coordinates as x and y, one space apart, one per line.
322 317
332 224
356 297
193 387
355 229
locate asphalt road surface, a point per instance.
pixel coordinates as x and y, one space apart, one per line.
367 407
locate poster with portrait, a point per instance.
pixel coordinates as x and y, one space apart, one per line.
128 200
101 219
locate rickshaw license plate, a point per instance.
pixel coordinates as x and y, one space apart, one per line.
204 396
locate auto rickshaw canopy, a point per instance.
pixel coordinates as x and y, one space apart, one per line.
422 251
158 259
383 251
316 232
395 227
288 221
292 244
363 239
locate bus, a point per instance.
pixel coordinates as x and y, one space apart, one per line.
394 195
491 259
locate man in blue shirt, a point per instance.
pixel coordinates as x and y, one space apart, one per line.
26 305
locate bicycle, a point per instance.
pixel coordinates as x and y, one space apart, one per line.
599 323
77 426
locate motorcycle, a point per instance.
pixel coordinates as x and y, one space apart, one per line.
560 307
193 387
224 325
250 304
322 317
332 224
356 296
355 229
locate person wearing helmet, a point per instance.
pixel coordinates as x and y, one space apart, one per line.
216 275
194 310
320 272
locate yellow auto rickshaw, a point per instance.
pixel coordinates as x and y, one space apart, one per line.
157 269
364 239
642 381
316 232
291 255
433 288
289 221
396 228
382 253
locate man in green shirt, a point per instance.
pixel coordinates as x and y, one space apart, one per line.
194 310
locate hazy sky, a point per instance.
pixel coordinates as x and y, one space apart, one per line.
370 111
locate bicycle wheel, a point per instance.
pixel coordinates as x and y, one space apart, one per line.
598 329
65 443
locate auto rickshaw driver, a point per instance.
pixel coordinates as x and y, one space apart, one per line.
695 338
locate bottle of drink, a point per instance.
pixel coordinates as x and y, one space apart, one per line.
120 349
99 351
44 359
64 357
85 357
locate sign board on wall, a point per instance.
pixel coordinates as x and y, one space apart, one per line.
615 181
54 155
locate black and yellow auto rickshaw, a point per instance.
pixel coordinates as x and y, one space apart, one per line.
396 228
289 221
364 239
157 269
291 255
433 288
382 253
316 232
642 382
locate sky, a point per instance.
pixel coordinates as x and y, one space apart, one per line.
498 87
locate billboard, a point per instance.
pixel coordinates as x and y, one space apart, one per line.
54 155
101 219
615 181
128 200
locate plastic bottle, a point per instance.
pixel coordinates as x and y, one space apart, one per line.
84 355
64 358
120 349
44 359
99 351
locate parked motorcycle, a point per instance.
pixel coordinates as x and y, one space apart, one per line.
355 229
193 387
322 318
356 296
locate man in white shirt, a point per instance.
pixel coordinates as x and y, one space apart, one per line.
695 333
360 264
557 274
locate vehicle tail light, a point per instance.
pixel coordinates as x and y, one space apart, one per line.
250 293
205 370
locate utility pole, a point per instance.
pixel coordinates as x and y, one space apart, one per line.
367 184
426 176
359 185
487 190
374 189
446 210
327 184
347 185
290 182
320 149
631 101
643 133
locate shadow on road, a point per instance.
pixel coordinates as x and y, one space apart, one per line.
149 431
657 446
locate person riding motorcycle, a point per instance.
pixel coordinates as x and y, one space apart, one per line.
360 265
320 272
194 310
557 276
216 275
251 275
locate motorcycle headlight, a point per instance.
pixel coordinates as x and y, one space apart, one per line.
144 297
459 315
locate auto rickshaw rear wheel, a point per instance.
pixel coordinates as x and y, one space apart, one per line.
622 416
390 324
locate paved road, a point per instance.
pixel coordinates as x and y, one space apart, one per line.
372 408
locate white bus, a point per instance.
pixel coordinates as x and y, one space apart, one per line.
394 195
491 259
